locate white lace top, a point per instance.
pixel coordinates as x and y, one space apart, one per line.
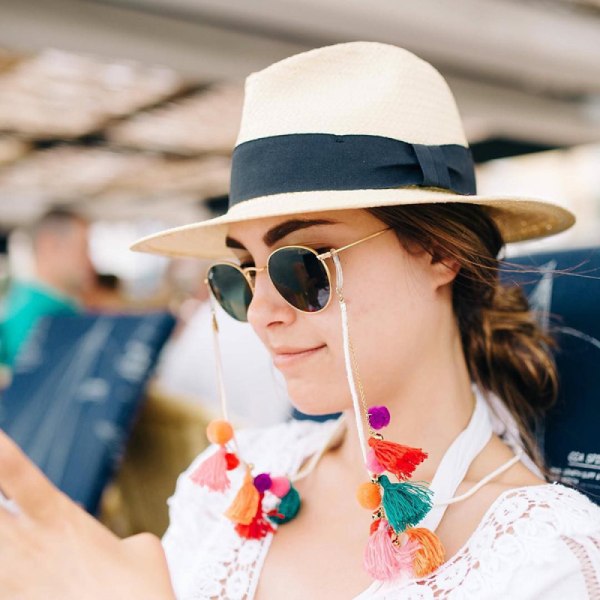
533 542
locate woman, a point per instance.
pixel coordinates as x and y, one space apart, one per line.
352 181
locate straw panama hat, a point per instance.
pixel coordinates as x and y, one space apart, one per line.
353 125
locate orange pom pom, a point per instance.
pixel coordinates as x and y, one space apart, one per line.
430 553
219 432
368 495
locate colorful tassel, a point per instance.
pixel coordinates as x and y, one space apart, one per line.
246 503
395 458
258 527
382 558
405 504
288 507
212 472
430 553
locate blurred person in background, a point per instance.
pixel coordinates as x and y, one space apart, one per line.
105 294
63 273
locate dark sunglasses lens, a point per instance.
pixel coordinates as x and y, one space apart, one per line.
231 290
301 278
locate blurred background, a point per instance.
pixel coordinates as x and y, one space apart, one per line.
124 114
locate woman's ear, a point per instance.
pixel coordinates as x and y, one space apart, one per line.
445 268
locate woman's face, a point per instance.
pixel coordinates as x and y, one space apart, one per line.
398 302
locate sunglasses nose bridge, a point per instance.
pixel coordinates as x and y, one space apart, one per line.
250 275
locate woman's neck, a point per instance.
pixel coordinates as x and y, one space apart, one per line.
428 411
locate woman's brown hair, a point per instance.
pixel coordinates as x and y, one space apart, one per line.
506 350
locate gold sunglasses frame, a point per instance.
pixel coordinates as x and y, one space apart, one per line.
245 271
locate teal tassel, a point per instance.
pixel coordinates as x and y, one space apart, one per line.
405 504
288 507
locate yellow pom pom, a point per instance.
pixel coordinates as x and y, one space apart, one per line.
219 432
369 495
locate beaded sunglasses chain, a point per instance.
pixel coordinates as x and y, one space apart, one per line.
395 544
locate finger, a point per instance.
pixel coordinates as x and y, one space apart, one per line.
23 482
9 505
146 549
10 526
144 545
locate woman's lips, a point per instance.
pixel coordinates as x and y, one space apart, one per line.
285 357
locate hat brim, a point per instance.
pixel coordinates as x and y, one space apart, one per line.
518 218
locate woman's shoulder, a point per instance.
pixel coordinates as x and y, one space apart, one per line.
534 541
545 517
562 510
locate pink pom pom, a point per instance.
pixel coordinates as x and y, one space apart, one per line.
382 559
373 465
212 472
280 486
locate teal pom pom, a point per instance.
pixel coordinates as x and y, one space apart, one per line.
288 507
405 504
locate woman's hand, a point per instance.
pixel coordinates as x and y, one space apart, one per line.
53 549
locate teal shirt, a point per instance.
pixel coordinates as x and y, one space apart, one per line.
23 305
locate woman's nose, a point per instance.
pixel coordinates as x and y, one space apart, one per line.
267 305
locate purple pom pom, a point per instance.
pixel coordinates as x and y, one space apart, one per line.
263 482
379 417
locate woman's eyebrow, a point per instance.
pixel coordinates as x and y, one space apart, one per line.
280 231
231 243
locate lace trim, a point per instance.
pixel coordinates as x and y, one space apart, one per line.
592 583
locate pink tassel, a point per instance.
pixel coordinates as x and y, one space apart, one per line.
382 559
212 472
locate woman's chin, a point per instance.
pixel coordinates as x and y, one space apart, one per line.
313 402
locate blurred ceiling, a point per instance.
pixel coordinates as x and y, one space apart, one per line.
139 109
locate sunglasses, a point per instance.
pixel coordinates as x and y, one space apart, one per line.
298 273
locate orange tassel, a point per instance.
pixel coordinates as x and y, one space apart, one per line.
246 503
258 528
212 472
397 459
430 553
